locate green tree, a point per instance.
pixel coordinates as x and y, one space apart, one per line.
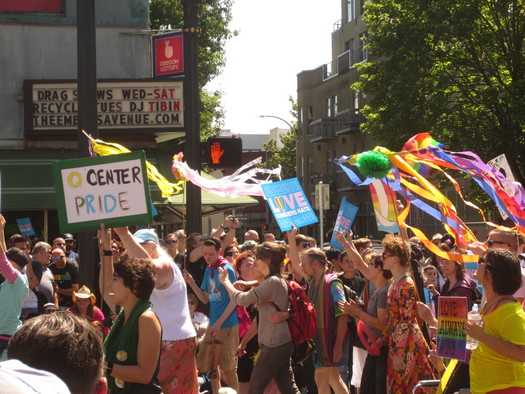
286 155
454 69
214 19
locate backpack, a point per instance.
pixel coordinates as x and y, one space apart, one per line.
303 321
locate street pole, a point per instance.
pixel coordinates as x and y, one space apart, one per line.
321 215
87 118
192 150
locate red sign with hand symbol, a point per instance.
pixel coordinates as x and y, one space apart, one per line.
216 152
224 152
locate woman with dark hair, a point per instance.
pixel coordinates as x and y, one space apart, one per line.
133 346
457 282
13 290
271 295
496 365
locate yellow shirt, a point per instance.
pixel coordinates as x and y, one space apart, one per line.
490 370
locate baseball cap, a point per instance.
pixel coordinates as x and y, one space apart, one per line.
67 237
146 235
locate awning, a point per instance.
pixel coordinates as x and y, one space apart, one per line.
211 203
27 178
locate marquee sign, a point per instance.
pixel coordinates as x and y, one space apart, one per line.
130 105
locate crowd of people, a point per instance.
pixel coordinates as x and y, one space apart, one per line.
190 314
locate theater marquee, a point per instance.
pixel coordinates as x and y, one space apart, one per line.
125 105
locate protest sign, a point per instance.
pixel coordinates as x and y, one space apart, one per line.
25 227
344 221
451 337
384 201
110 189
289 204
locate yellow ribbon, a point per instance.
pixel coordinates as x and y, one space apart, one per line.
109 148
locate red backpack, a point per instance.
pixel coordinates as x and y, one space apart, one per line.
303 321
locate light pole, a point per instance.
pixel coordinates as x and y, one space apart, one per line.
276 117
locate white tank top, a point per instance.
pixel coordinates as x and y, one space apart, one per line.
171 307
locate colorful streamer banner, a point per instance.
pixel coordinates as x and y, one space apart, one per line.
421 155
243 182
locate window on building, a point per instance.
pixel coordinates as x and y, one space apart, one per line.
362 45
350 9
309 113
335 101
362 6
356 102
310 170
351 52
328 107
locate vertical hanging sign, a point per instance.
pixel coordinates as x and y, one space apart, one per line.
168 54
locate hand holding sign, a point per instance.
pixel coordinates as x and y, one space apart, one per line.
105 237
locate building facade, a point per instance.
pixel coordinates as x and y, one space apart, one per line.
330 119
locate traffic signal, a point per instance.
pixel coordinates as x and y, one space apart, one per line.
266 227
224 152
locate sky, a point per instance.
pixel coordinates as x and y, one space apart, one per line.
277 40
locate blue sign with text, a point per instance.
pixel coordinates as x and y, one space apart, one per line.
289 204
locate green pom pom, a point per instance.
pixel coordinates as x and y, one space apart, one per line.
373 164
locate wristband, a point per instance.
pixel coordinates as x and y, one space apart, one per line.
107 253
109 369
346 245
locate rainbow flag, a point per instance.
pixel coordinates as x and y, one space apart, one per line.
384 201
418 142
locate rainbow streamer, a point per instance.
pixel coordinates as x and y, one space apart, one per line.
242 182
408 179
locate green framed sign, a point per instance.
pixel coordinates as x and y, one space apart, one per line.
111 189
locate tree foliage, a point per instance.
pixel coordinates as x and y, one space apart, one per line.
454 69
214 19
286 155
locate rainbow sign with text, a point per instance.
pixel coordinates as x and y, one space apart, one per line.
451 337
111 189
289 204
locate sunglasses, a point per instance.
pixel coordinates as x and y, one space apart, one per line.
491 242
305 245
171 241
58 258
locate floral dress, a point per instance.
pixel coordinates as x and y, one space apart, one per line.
405 339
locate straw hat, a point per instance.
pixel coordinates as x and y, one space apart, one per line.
84 293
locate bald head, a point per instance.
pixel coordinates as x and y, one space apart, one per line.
504 239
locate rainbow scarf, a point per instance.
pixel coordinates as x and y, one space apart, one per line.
319 294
